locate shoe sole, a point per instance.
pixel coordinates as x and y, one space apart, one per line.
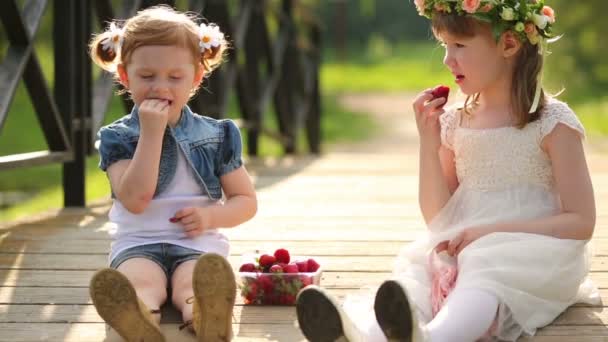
318 316
214 289
116 302
393 312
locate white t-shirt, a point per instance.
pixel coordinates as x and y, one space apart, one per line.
153 226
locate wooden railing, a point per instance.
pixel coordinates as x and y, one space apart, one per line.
278 68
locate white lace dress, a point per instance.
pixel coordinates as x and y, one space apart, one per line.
504 176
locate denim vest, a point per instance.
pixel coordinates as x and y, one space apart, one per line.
212 148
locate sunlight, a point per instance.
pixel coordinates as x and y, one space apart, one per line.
8 287
87 219
47 312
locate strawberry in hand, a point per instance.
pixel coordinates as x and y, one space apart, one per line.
441 91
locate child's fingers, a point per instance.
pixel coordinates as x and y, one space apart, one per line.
420 100
192 230
433 104
434 116
442 246
183 212
190 227
461 246
453 245
188 220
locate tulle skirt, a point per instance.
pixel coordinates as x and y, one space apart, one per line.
535 277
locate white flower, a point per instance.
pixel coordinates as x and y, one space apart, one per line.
210 36
115 39
507 14
540 20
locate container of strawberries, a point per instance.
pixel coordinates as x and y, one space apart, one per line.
276 279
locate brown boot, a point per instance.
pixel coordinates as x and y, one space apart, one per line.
116 302
214 289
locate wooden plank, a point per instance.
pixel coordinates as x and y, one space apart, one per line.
239 247
19 261
78 332
241 314
349 280
94 262
255 233
80 295
62 278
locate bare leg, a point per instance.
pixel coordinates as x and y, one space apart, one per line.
125 297
149 281
181 283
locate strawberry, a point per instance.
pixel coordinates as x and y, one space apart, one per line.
290 299
291 268
313 266
276 269
250 292
302 266
282 255
441 91
266 283
249 267
267 260
306 280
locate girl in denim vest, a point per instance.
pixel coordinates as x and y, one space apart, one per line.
168 168
504 190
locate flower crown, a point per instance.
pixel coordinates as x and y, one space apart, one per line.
210 38
529 19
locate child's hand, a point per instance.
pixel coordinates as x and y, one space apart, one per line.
194 220
457 244
154 115
428 110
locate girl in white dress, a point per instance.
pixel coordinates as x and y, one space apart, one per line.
504 189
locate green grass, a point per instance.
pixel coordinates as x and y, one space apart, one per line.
594 115
413 67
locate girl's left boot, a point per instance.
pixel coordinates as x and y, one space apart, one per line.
395 314
116 302
214 287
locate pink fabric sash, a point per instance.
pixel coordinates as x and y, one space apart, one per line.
443 270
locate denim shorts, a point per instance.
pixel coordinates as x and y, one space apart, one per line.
168 256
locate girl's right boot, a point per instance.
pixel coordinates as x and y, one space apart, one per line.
116 302
395 314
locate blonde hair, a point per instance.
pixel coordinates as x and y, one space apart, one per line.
158 25
528 65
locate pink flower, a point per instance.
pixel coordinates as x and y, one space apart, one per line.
549 13
530 28
486 8
439 7
471 6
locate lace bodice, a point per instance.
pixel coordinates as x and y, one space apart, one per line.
498 158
